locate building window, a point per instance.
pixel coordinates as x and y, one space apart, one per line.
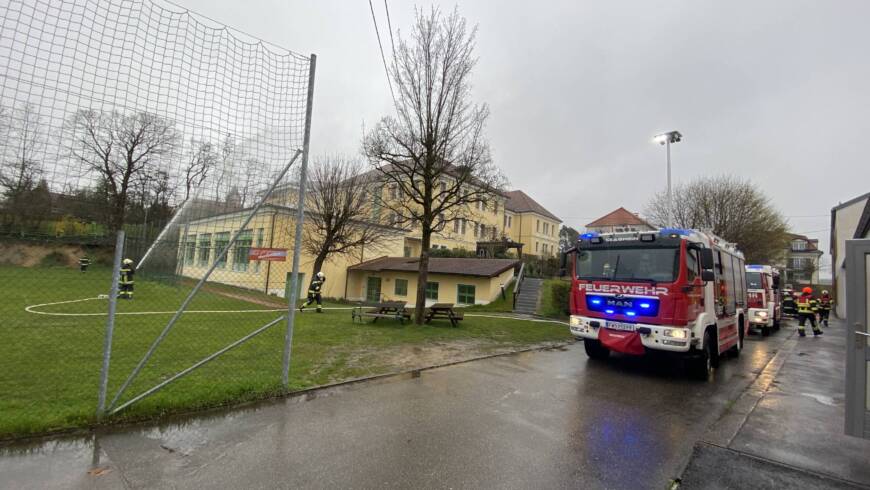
537 226
537 247
463 226
401 287
432 290
241 255
546 228
190 249
221 240
465 294
259 244
456 226
510 221
798 245
204 245
407 250
443 186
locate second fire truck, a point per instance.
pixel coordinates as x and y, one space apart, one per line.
763 297
672 290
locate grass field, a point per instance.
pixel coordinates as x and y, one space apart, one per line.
49 365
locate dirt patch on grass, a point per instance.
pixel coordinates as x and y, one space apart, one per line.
408 357
32 255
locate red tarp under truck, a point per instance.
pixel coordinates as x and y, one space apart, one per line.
672 290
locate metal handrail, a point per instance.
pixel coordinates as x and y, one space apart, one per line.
518 284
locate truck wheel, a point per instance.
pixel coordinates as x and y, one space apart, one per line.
595 350
735 351
702 366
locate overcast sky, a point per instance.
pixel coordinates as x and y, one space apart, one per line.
777 91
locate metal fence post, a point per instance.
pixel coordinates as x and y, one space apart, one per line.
297 243
110 323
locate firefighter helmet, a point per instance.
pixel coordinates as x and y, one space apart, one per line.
128 261
825 291
321 275
808 290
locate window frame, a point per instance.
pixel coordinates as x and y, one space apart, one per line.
429 290
460 294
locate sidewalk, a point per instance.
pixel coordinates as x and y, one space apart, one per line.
786 430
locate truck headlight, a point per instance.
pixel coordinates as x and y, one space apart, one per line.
761 314
575 321
675 333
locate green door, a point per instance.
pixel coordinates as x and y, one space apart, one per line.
303 287
373 289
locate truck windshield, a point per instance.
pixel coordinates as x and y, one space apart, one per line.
753 280
628 264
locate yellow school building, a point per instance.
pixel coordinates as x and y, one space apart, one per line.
386 271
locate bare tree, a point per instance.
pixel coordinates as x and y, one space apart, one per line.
433 153
120 148
567 237
203 158
338 211
25 137
733 208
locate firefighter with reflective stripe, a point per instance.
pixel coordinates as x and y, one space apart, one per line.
126 282
807 306
84 262
314 292
824 308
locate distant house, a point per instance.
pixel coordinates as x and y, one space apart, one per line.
463 281
620 220
529 223
849 220
802 260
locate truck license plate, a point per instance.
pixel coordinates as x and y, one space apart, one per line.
628 327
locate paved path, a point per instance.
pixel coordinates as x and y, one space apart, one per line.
788 427
549 419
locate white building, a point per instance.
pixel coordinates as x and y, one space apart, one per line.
849 220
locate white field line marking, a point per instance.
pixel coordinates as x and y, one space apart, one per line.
32 309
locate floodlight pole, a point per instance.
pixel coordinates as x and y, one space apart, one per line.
297 242
666 139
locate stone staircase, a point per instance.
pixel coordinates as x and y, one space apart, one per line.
527 300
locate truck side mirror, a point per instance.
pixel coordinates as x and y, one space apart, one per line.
707 275
706 256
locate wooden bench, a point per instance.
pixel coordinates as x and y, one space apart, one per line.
443 310
388 309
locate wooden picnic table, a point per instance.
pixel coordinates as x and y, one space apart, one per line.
386 309
443 310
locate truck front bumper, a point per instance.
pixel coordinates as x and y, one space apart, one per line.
759 317
657 337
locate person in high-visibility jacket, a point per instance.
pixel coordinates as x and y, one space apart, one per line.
824 307
84 262
314 292
807 307
126 282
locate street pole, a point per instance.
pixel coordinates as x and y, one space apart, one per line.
670 197
297 243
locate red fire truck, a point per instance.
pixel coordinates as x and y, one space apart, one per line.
763 297
672 290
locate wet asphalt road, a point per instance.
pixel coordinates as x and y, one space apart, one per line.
550 419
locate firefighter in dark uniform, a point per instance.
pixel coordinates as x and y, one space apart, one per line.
824 308
84 262
126 282
807 307
314 292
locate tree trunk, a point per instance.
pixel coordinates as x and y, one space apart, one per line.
422 277
318 262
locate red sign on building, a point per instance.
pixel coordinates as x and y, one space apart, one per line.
274 254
